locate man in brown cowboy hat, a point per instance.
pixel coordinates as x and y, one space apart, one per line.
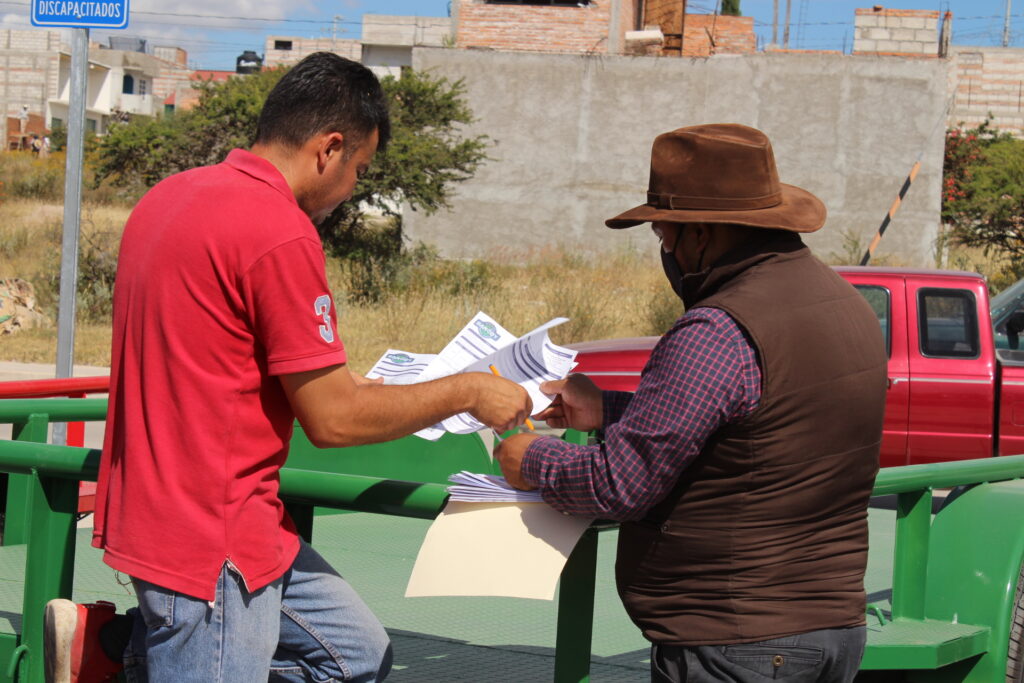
741 467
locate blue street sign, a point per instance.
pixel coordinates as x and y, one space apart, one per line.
80 13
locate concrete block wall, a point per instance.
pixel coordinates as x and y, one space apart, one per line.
571 142
903 32
988 83
29 70
539 28
380 29
302 47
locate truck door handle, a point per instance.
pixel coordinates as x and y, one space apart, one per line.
894 381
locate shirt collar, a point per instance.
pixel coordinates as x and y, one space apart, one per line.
261 169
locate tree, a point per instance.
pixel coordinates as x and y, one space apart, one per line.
141 152
427 155
983 192
731 8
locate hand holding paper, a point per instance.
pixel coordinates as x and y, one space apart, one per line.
509 454
482 344
578 404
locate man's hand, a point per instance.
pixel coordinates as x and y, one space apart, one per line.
499 403
578 404
510 454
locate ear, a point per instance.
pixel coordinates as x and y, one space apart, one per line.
704 233
329 146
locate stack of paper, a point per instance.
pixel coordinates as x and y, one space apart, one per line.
528 360
487 488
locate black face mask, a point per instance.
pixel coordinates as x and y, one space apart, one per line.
685 285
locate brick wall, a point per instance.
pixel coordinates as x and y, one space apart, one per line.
536 28
988 83
902 32
708 34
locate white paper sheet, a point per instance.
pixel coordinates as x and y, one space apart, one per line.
401 367
528 360
514 550
487 488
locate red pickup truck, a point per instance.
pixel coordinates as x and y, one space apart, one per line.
956 374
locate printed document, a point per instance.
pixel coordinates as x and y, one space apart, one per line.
528 360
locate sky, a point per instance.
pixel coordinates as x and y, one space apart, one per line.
216 32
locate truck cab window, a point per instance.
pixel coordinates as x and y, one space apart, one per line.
878 298
1005 306
948 323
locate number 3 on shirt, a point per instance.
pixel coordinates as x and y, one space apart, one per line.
322 307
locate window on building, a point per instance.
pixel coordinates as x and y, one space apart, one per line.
878 298
142 86
127 85
282 45
561 3
90 126
948 323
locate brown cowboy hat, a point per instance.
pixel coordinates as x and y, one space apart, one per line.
721 173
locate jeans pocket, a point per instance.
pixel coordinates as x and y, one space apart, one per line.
776 661
156 604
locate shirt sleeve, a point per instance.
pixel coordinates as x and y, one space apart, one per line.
703 374
614 404
291 309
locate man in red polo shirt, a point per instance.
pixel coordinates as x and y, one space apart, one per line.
224 333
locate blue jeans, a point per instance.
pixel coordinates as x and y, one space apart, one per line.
309 625
825 656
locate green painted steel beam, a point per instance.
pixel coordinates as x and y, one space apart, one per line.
66 462
910 558
58 409
574 634
50 561
32 429
8 646
947 474
349 491
364 494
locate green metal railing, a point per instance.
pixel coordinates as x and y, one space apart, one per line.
52 473
913 486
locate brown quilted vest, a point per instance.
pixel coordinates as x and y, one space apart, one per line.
765 534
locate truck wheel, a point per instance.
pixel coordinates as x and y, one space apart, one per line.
1015 653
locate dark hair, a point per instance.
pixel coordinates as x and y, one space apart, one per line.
325 92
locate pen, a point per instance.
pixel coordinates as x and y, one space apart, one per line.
529 425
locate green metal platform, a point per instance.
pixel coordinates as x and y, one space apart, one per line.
459 638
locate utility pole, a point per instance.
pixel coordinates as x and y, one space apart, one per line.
1006 25
775 22
682 26
785 27
334 32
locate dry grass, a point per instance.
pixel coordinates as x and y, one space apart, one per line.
617 295
613 296
30 243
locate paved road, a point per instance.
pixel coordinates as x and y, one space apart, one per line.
13 372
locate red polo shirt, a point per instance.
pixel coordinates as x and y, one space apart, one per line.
220 287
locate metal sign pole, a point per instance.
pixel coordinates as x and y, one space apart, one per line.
72 212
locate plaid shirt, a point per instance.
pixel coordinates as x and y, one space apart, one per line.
702 375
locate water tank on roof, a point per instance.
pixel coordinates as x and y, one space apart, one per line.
248 63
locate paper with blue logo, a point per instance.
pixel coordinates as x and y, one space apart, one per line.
528 360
